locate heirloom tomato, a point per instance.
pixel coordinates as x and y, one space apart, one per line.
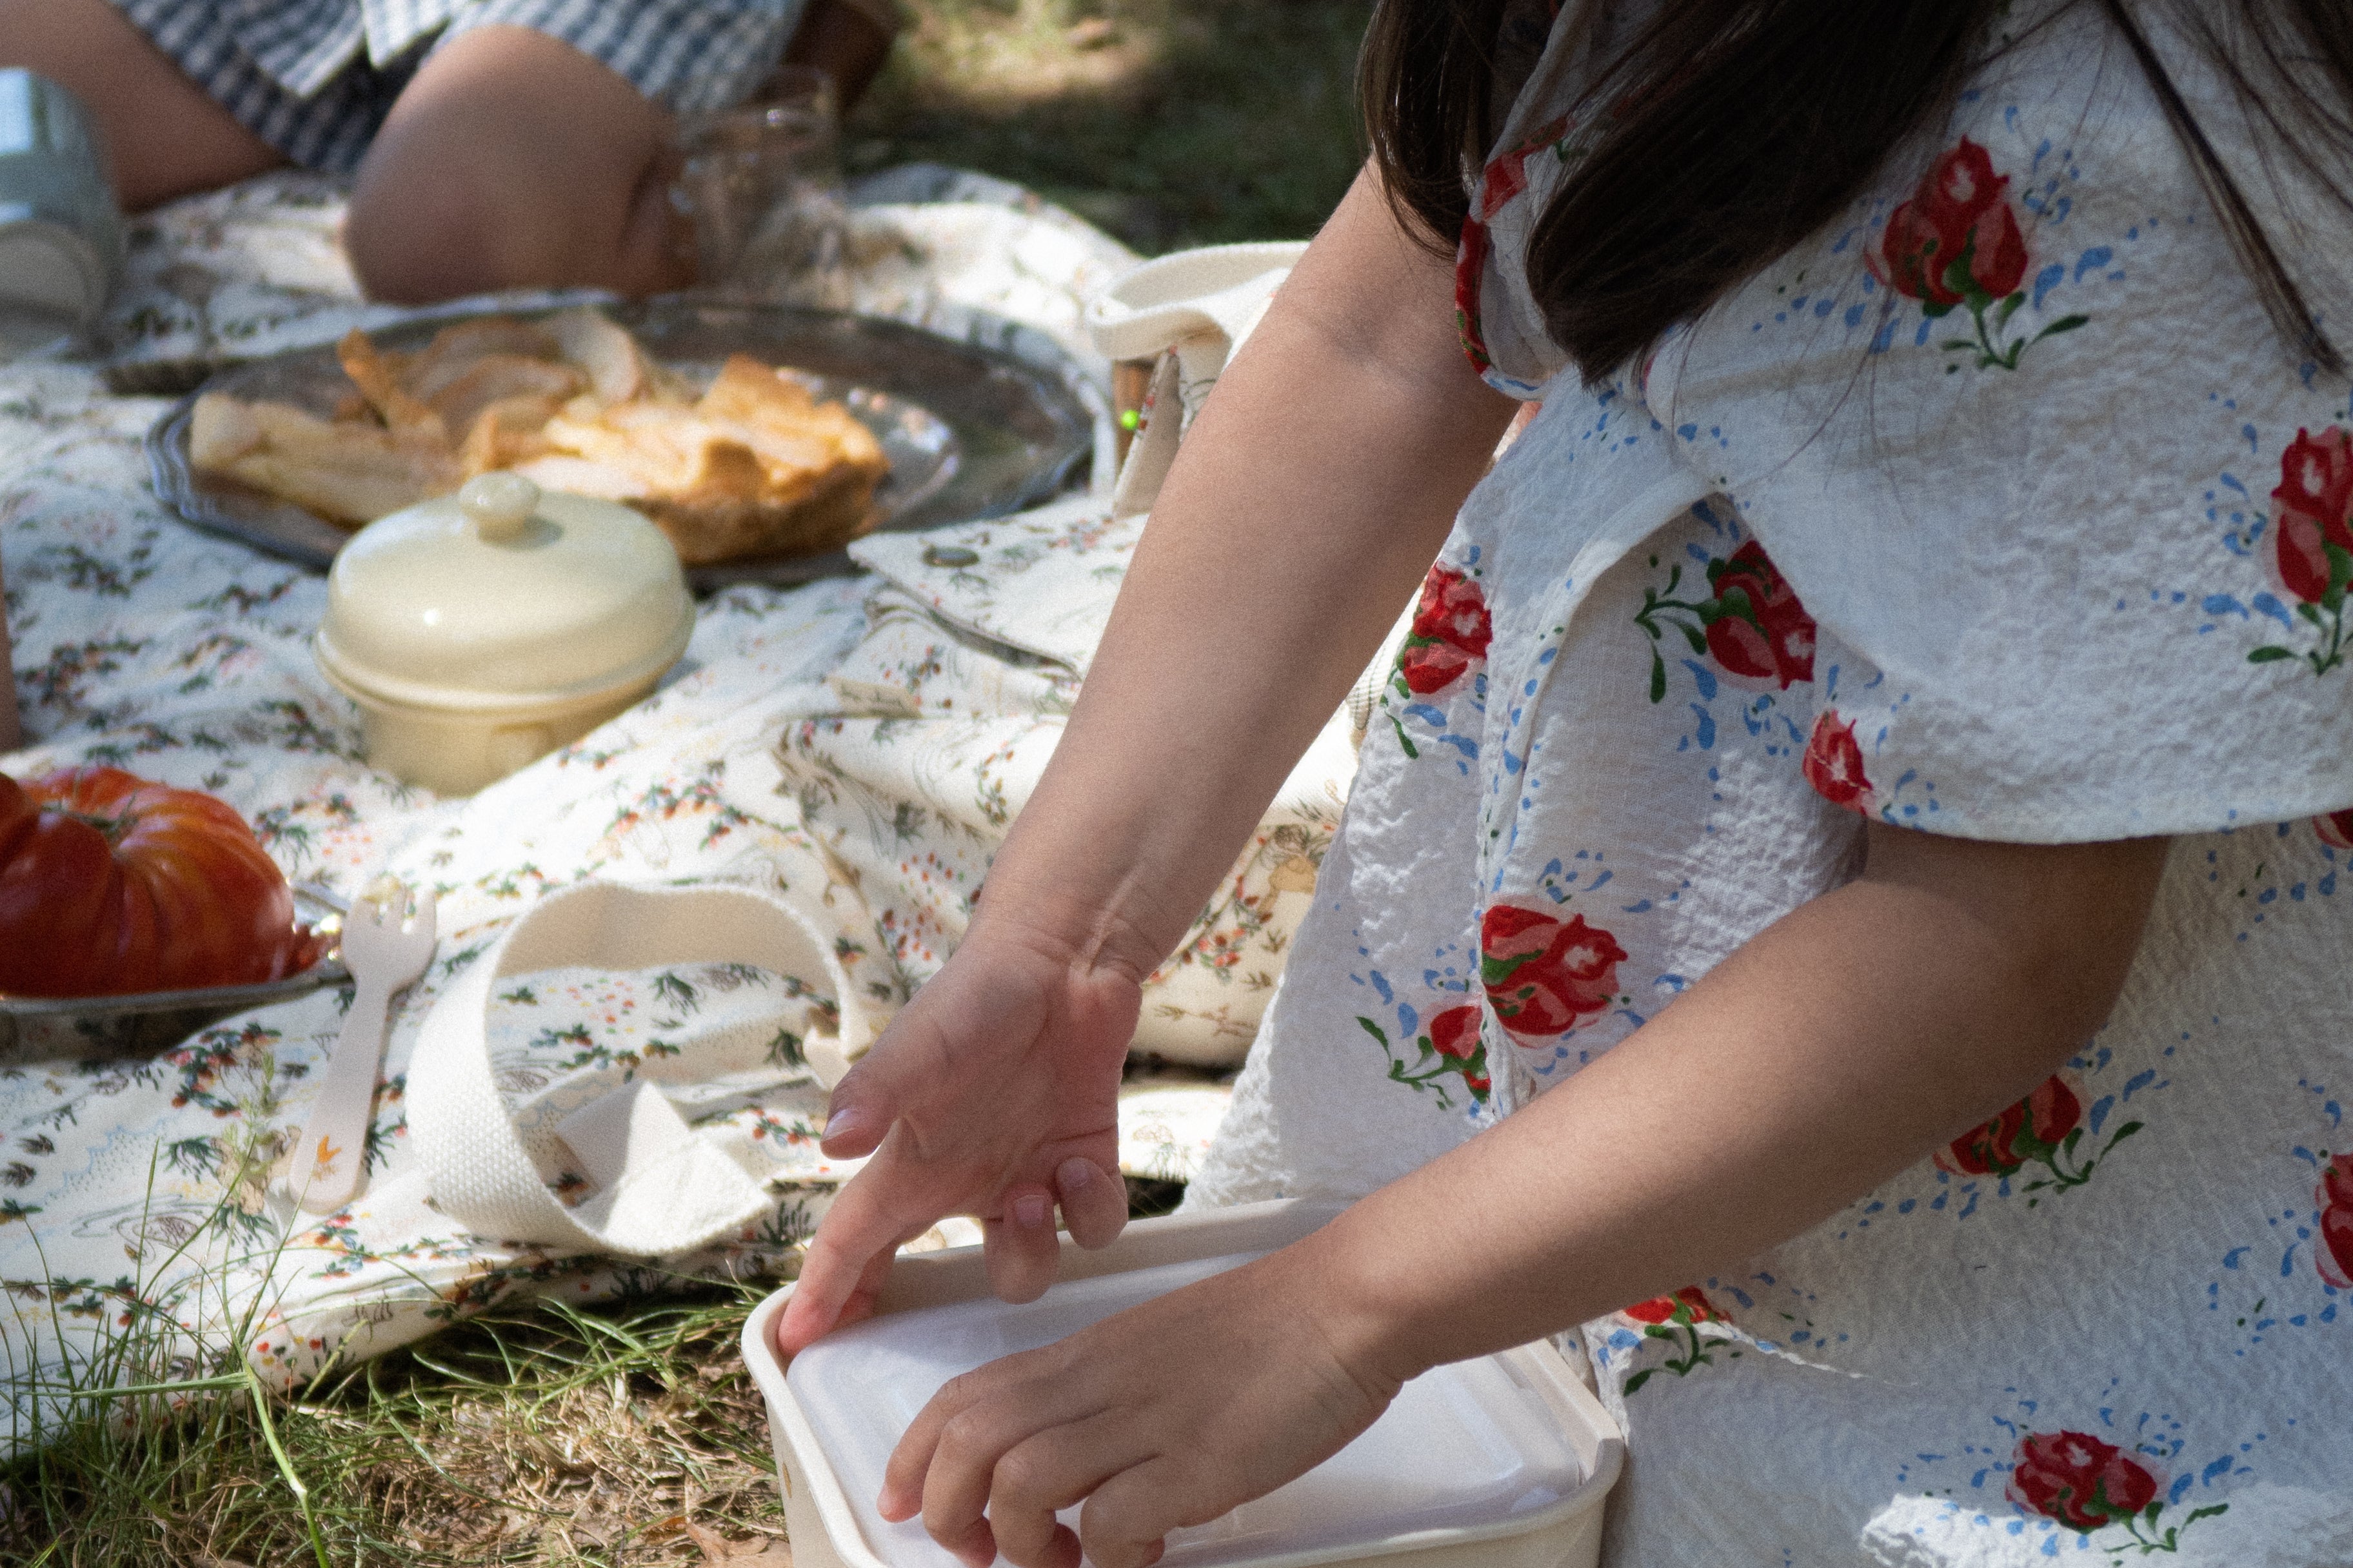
110 884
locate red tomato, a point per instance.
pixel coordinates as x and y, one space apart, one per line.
110 884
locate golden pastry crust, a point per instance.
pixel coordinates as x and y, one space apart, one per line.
754 468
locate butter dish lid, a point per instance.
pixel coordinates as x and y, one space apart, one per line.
1469 1447
504 594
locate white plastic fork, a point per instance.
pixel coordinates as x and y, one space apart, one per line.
388 942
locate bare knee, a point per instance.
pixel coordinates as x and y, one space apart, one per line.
512 161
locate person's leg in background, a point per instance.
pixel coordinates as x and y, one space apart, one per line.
164 137
512 159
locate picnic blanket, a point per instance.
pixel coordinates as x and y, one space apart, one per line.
138 1238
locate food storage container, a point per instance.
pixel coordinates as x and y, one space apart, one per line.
60 236
481 630
1499 1462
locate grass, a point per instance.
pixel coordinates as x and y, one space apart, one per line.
547 1433
1169 122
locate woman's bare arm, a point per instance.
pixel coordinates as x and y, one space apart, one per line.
1836 1048
1310 496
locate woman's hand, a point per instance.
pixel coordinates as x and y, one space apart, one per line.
994 1093
1166 1415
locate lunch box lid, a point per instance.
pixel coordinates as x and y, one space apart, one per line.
503 596
1504 1445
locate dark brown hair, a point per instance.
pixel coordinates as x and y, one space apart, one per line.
1728 131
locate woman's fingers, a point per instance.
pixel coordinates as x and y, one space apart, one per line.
1042 1475
1094 1202
862 1106
847 1257
967 1427
1126 1522
1020 1245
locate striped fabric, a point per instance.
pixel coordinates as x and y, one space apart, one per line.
315 79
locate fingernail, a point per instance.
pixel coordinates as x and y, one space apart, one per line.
840 1123
1075 1176
1029 1211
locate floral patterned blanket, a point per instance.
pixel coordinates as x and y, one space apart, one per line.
138 1238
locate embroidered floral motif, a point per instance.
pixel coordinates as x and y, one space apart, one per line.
1955 243
1542 976
1751 623
2043 1129
1675 1318
2333 1255
2086 1484
1833 764
1449 1047
2311 527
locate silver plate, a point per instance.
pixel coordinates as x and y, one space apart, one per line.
156 1019
975 428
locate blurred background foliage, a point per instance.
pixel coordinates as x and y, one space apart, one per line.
1168 122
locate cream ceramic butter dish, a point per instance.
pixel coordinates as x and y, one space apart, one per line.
481 630
1500 1462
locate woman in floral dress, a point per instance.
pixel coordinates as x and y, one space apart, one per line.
1843 901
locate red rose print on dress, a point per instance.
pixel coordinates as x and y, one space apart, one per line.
1449 632
1507 173
1764 631
1750 624
1449 1046
1676 1318
1505 176
2087 1484
1688 1305
2312 533
1542 976
1958 218
2335 1197
2044 1129
1833 764
2078 1480
1956 243
2334 829
1469 277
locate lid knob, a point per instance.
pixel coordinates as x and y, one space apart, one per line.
502 505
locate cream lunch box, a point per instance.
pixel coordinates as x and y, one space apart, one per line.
1499 1462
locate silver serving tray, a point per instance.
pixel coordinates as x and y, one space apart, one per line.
975 427
154 1019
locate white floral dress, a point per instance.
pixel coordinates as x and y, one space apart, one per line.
1995 510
